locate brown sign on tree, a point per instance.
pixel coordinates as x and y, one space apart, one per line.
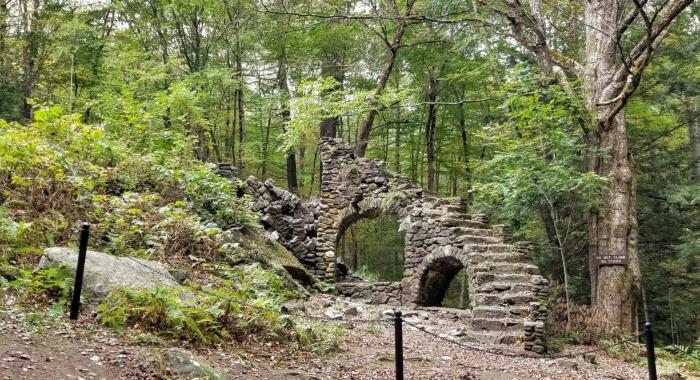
612 260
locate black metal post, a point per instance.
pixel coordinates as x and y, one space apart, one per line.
651 355
79 270
398 343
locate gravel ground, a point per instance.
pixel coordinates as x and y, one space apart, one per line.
56 348
368 353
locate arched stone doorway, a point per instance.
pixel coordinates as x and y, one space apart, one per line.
436 279
371 249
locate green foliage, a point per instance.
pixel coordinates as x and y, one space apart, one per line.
246 302
47 285
688 356
57 171
317 337
538 149
366 274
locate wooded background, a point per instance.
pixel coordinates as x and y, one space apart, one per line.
548 115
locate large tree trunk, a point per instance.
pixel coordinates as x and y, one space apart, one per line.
333 68
612 224
30 15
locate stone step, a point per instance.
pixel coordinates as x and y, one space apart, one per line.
500 311
477 258
490 248
481 278
499 287
459 209
505 268
496 324
494 337
453 222
471 240
504 298
468 231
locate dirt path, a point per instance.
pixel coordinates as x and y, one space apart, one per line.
34 347
83 350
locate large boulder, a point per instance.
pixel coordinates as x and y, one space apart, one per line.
176 363
104 273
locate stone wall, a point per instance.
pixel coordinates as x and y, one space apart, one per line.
373 292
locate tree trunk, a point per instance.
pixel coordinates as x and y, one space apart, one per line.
397 142
241 110
465 153
694 144
430 127
30 19
234 124
333 68
266 144
215 144
393 47
354 248
292 184
613 229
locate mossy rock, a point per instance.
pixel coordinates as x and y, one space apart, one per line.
256 247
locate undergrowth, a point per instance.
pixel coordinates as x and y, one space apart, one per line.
244 305
57 173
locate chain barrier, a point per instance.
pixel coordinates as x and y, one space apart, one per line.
508 354
583 353
462 345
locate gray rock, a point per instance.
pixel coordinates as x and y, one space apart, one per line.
176 363
294 306
567 363
334 314
104 273
352 310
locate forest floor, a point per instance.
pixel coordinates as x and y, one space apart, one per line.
43 348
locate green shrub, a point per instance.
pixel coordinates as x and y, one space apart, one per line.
689 356
364 273
209 318
247 301
318 337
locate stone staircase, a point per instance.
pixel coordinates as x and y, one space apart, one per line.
503 282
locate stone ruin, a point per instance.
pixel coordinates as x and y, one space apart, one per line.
441 239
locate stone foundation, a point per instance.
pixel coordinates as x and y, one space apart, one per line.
373 292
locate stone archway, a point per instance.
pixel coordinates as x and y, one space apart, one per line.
435 279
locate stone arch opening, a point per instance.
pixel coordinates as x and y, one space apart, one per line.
436 279
371 249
